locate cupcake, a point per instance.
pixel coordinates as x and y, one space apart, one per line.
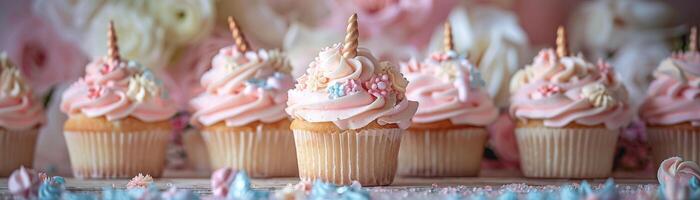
349 112
118 119
448 132
20 118
241 114
569 115
672 106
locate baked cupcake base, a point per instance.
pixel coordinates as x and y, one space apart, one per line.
16 149
116 149
681 140
367 155
441 149
573 151
261 149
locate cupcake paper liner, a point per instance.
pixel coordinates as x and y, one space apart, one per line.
117 154
261 152
16 149
442 152
368 156
566 152
669 142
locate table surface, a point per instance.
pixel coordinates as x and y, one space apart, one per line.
494 179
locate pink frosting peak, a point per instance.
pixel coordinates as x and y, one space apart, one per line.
674 175
221 181
24 183
18 109
243 87
351 92
116 90
565 90
447 87
674 96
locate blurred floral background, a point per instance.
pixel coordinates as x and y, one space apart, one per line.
52 40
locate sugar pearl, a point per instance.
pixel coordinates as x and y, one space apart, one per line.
381 85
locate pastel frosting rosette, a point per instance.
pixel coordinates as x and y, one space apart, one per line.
678 179
21 116
244 100
672 104
349 111
454 109
118 118
569 114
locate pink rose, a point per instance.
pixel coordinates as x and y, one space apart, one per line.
182 78
503 142
44 58
409 21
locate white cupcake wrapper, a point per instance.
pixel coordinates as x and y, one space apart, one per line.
16 149
450 152
669 142
566 153
261 153
117 154
369 156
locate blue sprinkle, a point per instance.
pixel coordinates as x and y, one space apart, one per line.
336 90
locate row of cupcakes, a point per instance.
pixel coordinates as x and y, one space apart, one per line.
349 112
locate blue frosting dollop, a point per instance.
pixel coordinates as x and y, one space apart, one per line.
52 188
240 189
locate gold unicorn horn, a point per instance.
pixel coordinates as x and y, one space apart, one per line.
112 46
562 49
693 40
238 36
351 36
447 40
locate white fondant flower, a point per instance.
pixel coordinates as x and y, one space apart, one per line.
598 95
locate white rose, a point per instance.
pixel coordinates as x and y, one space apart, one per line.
184 20
139 37
493 40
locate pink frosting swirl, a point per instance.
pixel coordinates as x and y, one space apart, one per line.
674 175
447 87
24 183
18 109
221 181
243 87
674 96
565 90
351 92
116 90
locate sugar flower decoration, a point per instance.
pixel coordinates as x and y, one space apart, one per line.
140 181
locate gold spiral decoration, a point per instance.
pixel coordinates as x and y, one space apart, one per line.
238 37
447 40
562 49
351 36
112 46
693 41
